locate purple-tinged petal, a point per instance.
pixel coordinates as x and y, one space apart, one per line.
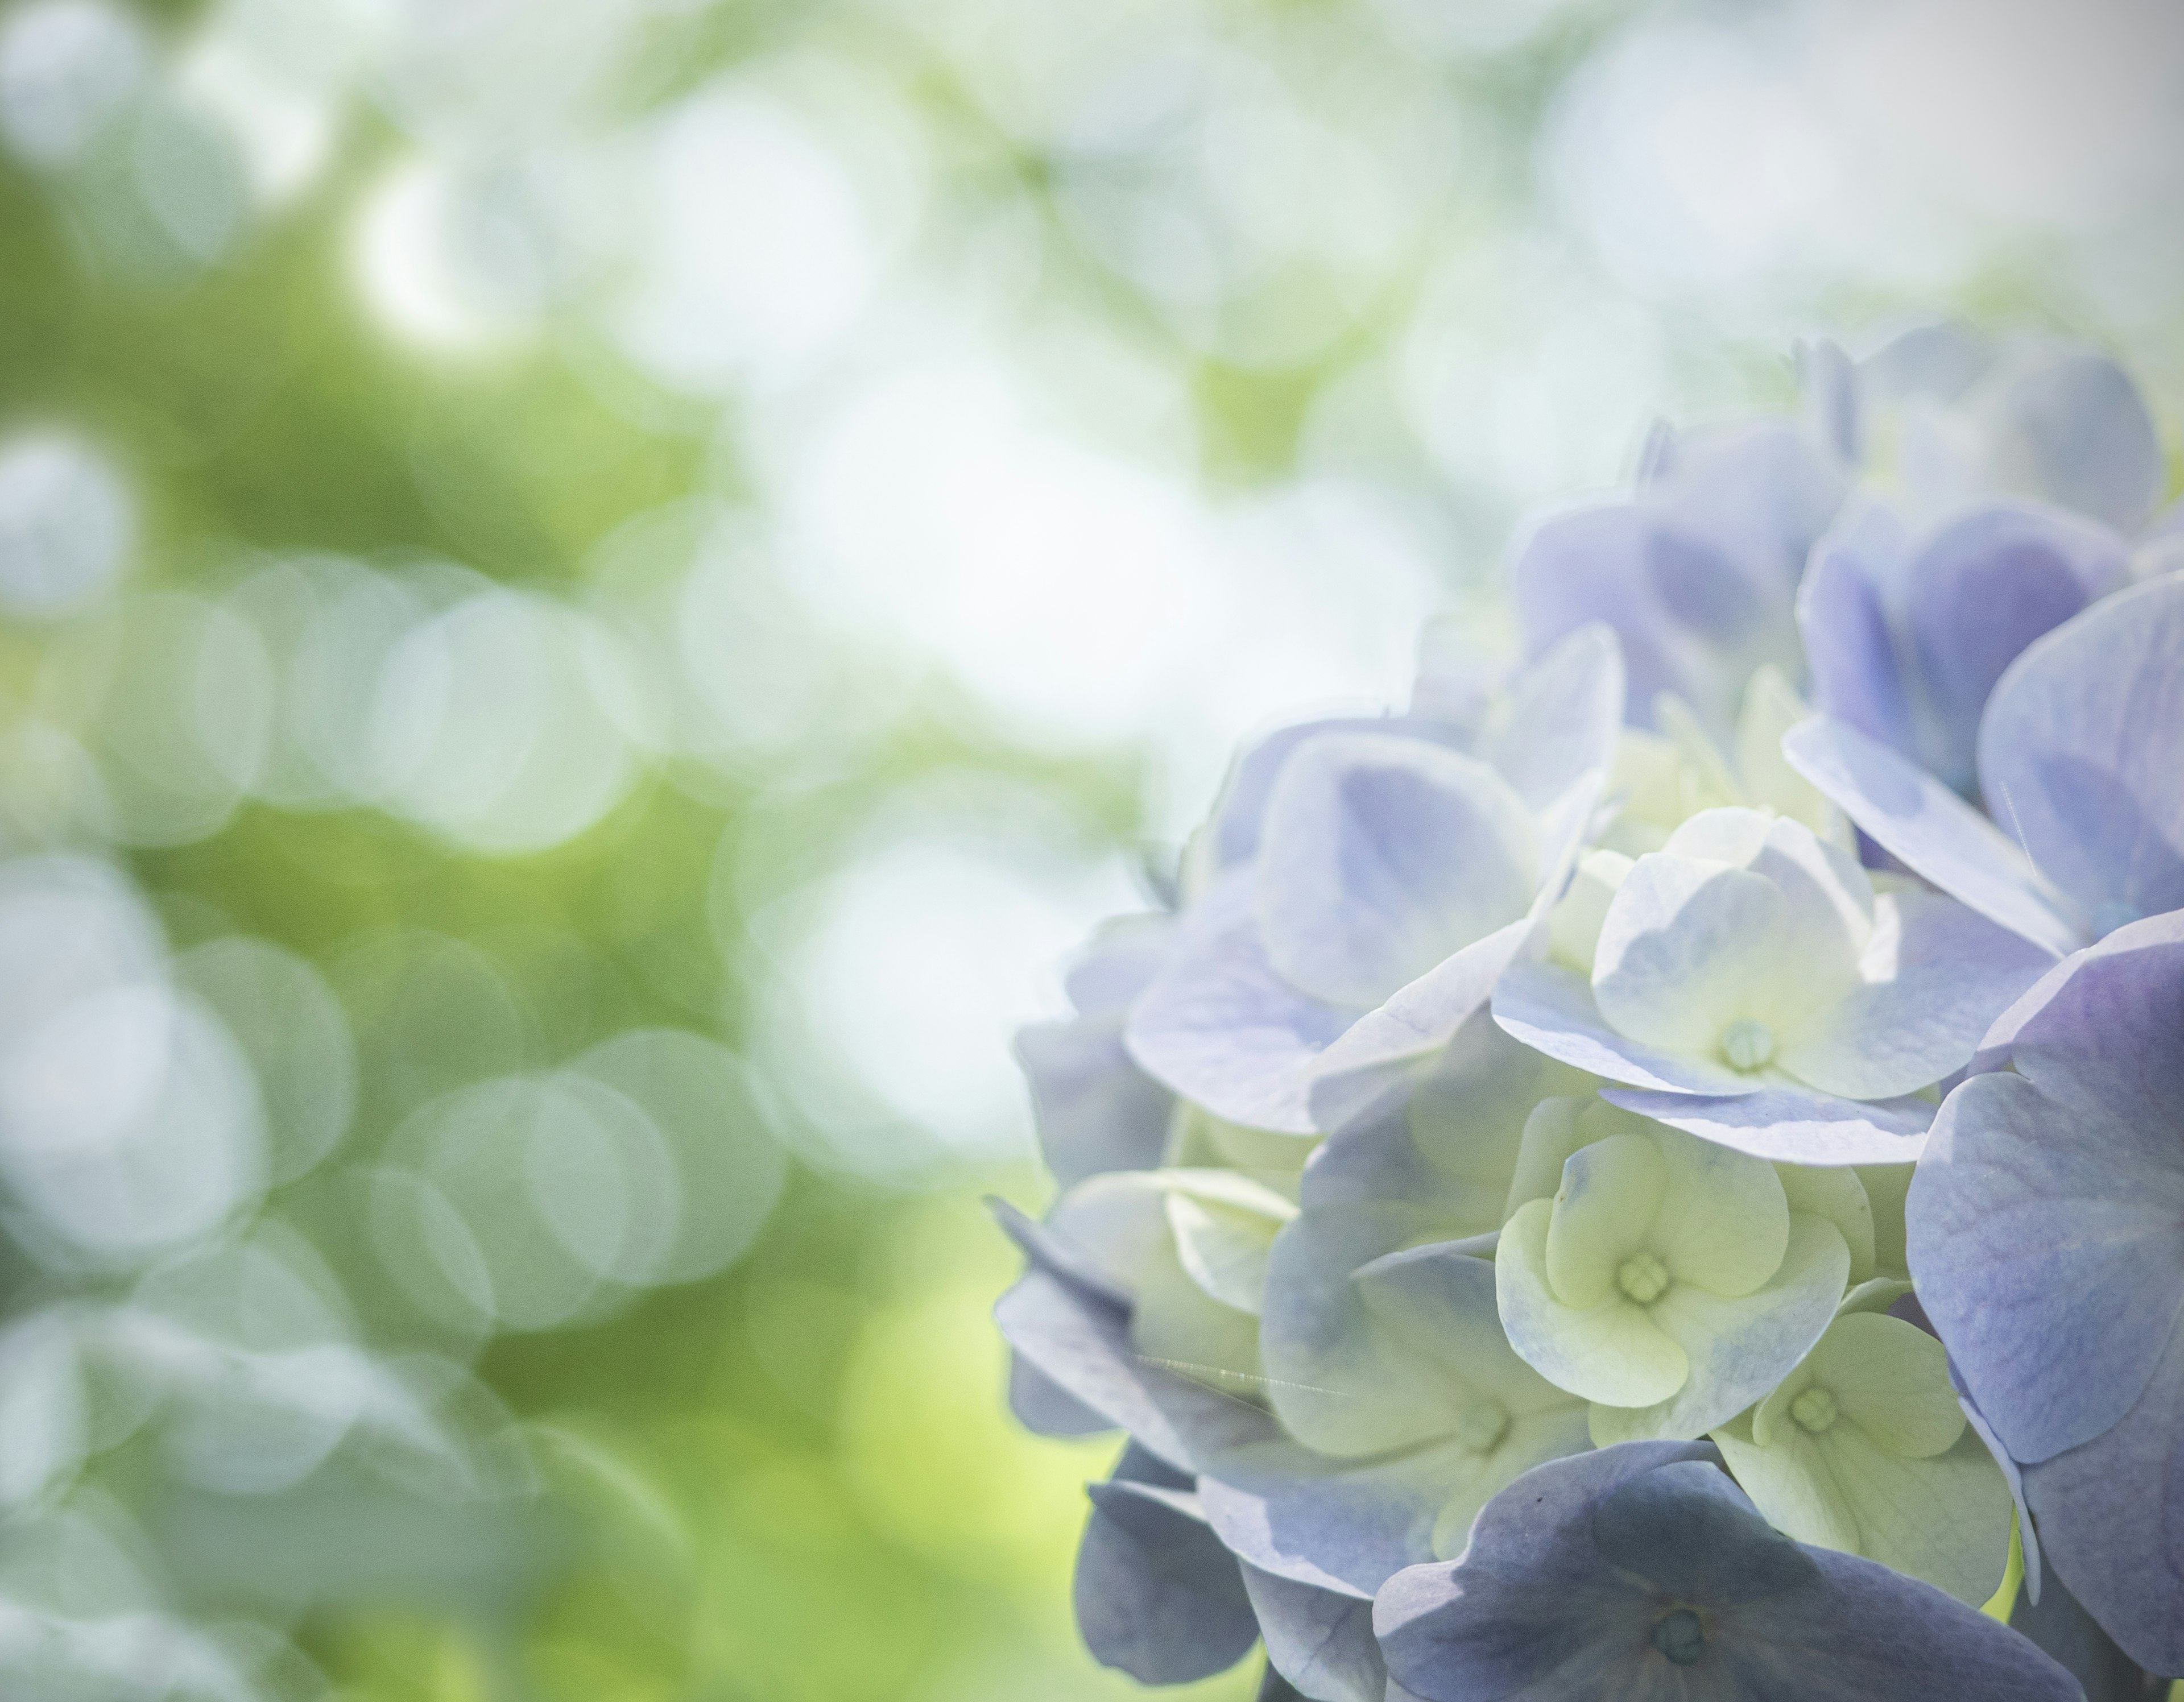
1792 1125
1377 1055
2028 1537
2042 1189
1856 675
1937 975
2067 424
1916 819
1239 816
2111 1515
1333 1524
1978 591
1643 1573
1096 1111
2058 1624
1560 717
1320 1640
1380 857
1157 1596
1532 1600
1552 1009
1760 490
1220 1026
1119 963
1381 1053
2081 750
1881 1637
1589 564
1044 1407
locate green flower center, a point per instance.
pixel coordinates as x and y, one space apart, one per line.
1680 1636
1746 1044
1643 1278
1814 1410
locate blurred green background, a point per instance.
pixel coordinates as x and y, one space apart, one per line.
593 594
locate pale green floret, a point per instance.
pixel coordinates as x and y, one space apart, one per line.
1864 1449
1667 1280
1748 1044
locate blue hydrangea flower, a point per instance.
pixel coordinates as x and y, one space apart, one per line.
1641 1572
1754 985
2043 1235
1697 572
1951 415
1907 630
2080 748
1383 879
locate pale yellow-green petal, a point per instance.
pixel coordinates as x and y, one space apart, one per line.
1834 1191
1944 1519
1725 1221
1177 1325
1610 1352
1532 1440
1739 1349
1223 1250
1890 1379
1790 1484
1609 1195
1557 1128
1886 1186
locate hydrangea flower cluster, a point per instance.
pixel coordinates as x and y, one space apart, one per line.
1661 1173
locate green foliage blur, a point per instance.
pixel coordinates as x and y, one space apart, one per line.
794 1480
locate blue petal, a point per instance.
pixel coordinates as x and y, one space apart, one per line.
1687 1529
1573 1567
1221 1027
1857 676
1915 818
1240 814
2111 1514
2080 750
1043 1407
1872 1635
1761 492
1979 591
2028 1535
2070 426
2064 1182
1380 857
1589 564
2057 1622
1330 1523
1320 1640
1792 1125
1156 1594
1552 1009
1096 1111
1531 1598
